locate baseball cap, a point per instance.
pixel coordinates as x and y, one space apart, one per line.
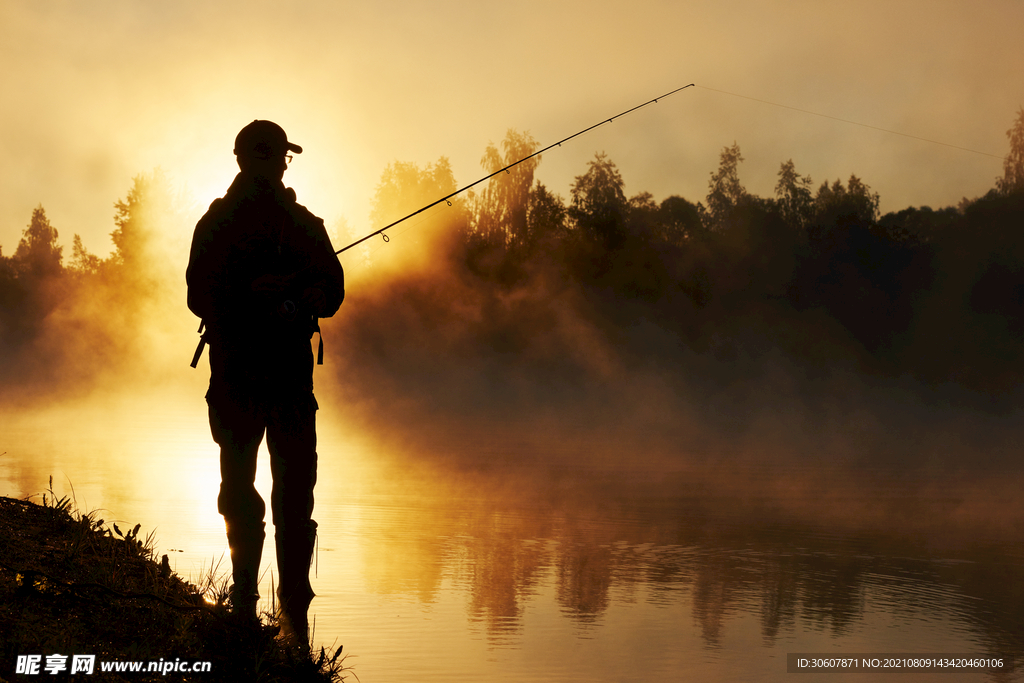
263 139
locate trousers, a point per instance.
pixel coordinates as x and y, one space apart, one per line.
247 402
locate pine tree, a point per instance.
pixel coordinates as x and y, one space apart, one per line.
38 254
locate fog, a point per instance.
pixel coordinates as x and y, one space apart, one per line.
558 386
536 349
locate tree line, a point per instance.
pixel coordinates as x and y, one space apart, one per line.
811 272
65 318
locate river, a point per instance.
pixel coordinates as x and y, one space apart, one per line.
482 567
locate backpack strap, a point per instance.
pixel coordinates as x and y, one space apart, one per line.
320 350
202 344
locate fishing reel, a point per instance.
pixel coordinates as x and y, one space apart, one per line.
287 310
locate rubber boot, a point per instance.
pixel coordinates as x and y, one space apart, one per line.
246 543
294 557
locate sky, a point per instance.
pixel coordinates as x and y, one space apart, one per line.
98 92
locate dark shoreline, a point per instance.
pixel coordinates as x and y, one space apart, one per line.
71 584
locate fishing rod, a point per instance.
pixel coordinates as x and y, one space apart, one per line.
505 169
288 308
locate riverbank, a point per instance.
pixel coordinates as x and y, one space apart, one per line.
74 586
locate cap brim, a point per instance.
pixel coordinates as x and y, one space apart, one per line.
292 147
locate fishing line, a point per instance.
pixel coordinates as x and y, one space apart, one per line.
447 198
855 123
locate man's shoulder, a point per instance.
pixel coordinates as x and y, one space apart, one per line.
219 209
231 209
216 206
311 224
302 214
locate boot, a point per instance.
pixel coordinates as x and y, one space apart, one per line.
246 543
294 557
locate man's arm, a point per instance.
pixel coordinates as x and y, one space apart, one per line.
326 287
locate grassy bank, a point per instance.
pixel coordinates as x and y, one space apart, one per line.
72 584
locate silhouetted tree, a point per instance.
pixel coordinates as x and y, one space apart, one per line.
598 204
680 221
83 262
31 281
136 217
643 202
922 224
853 203
855 271
1013 166
546 214
404 187
145 220
793 196
500 209
38 255
10 295
725 192
642 218
837 208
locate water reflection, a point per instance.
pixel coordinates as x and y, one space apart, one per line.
462 581
793 579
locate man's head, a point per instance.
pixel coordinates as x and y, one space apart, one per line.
262 149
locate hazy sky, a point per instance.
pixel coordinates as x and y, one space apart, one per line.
96 92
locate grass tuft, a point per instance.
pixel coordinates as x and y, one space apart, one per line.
72 584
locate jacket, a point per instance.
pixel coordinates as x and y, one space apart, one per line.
258 229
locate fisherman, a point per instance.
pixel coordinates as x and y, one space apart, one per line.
261 272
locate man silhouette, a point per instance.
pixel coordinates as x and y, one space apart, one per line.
262 270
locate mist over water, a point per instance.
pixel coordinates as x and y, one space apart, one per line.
771 358
745 398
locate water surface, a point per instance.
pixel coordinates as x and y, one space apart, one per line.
440 567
